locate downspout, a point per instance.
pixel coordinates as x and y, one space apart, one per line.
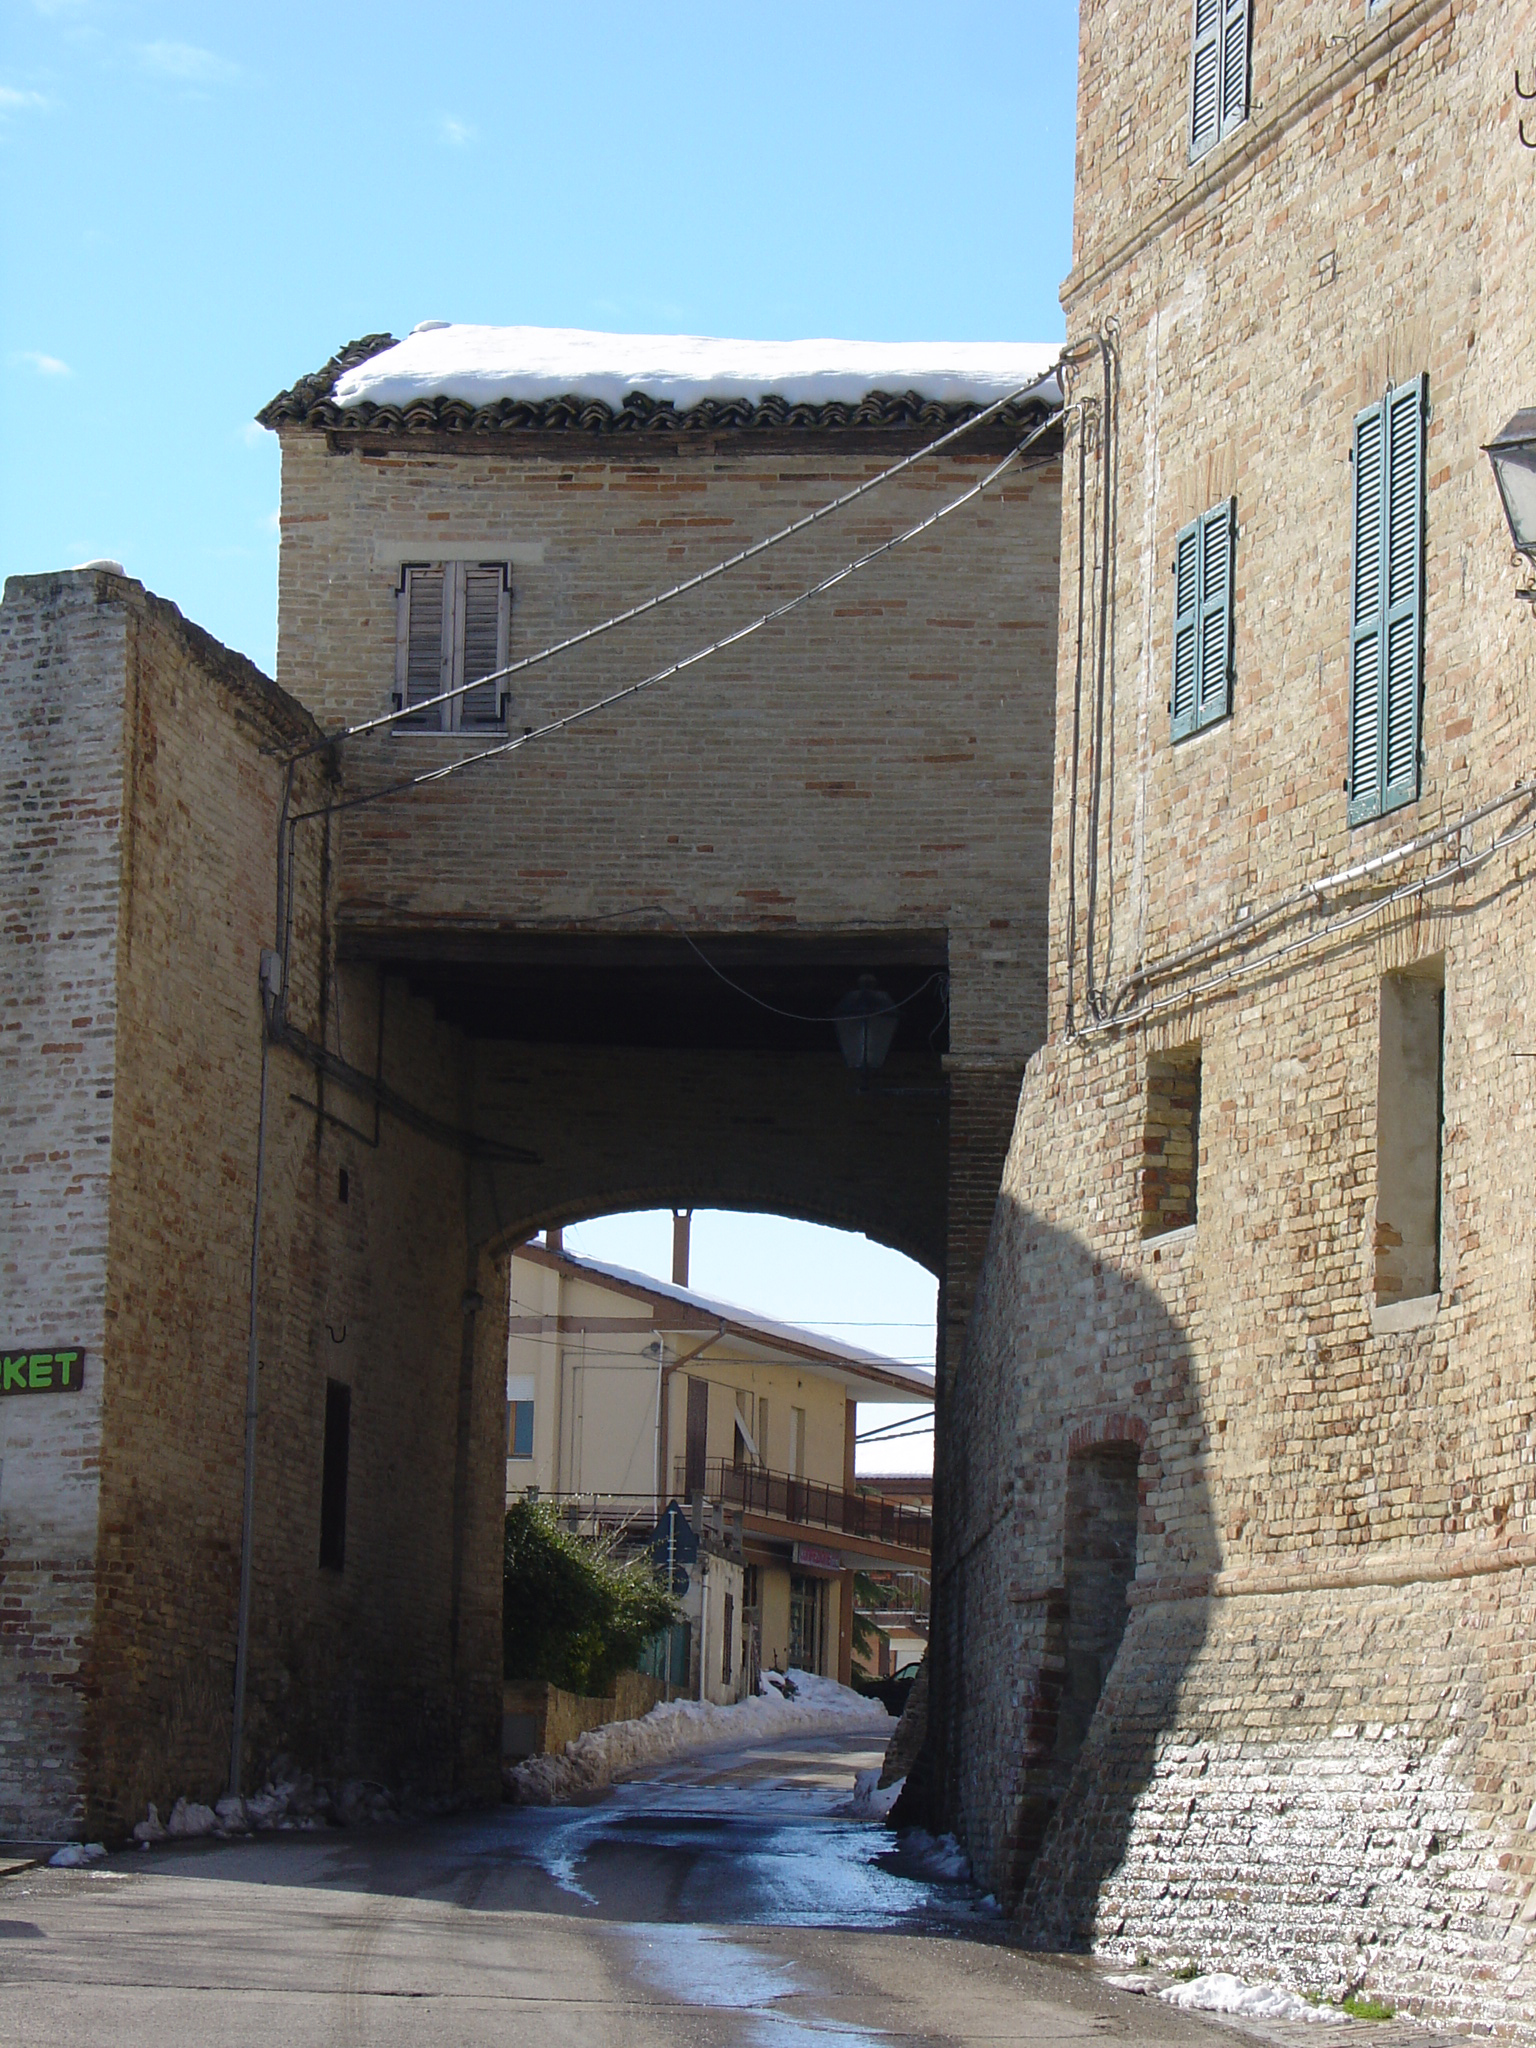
273 985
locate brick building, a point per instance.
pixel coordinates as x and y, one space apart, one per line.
1253 1340
592 975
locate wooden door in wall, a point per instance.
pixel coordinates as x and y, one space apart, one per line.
807 1622
698 1437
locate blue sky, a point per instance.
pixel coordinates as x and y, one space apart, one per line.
201 203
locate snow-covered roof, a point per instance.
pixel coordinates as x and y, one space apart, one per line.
484 365
910 1382
464 379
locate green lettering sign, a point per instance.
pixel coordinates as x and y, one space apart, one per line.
29 1371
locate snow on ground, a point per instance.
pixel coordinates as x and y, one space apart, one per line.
482 365
871 1800
939 1856
819 1706
1218 1991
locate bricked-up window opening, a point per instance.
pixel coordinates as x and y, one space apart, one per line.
1201 691
1218 72
1099 1563
1170 1142
1410 1096
1386 642
333 1475
453 624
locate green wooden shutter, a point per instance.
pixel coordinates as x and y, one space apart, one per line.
1185 700
1403 667
1205 77
1202 623
1217 530
1236 15
1387 603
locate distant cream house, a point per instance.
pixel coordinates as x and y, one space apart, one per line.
625 1392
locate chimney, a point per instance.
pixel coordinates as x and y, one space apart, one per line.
682 1223
553 1238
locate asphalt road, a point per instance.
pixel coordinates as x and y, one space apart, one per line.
723 1903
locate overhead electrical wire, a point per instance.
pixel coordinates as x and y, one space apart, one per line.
688 584
687 661
1443 877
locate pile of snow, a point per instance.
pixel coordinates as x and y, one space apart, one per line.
939 1856
75 1855
805 1705
871 1800
483 365
1218 1991
288 1800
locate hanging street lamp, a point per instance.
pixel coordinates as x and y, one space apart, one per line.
1512 451
865 1023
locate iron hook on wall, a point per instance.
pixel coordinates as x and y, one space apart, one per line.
1524 137
333 1336
1520 91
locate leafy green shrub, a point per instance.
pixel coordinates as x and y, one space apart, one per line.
572 1612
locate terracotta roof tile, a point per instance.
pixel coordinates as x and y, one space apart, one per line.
310 404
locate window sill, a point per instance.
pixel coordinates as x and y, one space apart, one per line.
1169 1241
468 734
1390 1316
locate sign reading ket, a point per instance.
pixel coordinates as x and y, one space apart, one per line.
40 1372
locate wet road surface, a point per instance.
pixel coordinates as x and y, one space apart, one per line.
723 1902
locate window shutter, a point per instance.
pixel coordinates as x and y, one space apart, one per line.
1387 589
1205 77
1202 624
423 657
1186 632
1236 15
1216 536
1404 592
484 641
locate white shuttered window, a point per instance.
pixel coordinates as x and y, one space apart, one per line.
453 625
1218 72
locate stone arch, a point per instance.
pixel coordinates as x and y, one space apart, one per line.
684 1195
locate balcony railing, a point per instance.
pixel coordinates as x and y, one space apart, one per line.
752 1490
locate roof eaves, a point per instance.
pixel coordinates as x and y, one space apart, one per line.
309 403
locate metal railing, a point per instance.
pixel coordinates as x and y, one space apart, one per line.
753 1490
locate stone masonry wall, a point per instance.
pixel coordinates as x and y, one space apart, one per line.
1312 1759
390 1666
880 761
62 659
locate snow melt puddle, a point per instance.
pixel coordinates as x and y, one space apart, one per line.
564 1848
703 1967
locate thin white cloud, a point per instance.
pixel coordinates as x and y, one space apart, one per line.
45 366
456 132
14 101
272 523
186 63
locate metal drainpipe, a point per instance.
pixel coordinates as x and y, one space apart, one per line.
271 986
